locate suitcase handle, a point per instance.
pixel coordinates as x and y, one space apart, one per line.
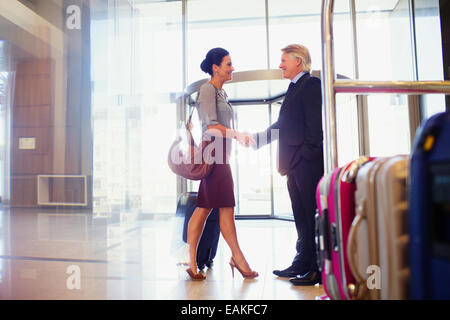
320 246
357 290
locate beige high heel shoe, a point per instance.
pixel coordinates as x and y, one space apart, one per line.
246 274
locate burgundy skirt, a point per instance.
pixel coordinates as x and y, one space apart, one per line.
217 189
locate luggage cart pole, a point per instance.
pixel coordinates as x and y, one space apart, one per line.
330 87
328 95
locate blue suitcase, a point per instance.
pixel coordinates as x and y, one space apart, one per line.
207 246
430 210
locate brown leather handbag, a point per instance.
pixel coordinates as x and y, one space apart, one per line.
189 160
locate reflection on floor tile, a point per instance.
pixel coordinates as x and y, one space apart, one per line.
72 255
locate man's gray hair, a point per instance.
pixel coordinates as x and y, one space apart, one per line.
299 51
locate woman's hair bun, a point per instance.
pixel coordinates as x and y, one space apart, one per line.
214 56
205 66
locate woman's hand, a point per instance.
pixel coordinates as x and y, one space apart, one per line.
244 138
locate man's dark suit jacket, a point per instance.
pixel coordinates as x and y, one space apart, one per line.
299 124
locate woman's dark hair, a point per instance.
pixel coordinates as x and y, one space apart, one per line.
214 56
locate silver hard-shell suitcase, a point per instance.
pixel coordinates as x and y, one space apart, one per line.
378 240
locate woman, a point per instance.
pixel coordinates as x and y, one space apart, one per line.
216 190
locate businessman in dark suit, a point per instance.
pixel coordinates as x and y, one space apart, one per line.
300 156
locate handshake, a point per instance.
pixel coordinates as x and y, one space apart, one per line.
246 139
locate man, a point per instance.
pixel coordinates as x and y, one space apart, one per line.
300 156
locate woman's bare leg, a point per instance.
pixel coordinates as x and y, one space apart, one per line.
194 232
228 229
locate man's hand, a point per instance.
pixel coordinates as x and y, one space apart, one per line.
246 139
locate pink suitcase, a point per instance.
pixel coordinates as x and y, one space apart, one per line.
335 196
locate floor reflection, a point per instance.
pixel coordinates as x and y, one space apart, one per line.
76 255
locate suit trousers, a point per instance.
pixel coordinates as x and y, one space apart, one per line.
302 181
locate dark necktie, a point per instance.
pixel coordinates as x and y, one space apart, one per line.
287 92
290 86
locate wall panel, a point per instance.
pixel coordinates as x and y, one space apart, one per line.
32 118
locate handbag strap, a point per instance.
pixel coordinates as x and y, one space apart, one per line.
192 110
232 117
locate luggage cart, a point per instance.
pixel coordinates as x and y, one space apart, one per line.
423 260
332 86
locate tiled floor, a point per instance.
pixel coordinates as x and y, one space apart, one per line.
46 254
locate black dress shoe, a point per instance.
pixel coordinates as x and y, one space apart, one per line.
286 273
309 279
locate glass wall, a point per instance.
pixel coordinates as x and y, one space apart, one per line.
136 71
241 29
304 17
97 97
6 87
130 113
394 46
298 21
385 52
429 52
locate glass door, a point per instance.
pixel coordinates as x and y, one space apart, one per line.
251 168
281 201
